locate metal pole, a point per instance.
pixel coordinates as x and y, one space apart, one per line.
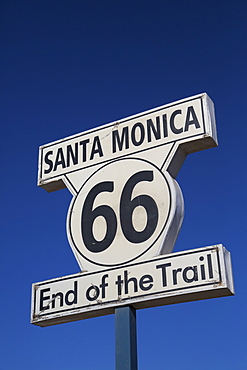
126 341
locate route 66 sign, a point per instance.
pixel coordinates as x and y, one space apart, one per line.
126 204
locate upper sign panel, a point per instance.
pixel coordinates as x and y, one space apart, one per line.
183 127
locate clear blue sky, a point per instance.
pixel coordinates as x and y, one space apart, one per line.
68 66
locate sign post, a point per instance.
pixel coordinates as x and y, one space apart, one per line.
126 340
125 214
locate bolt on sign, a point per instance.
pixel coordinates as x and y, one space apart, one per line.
126 212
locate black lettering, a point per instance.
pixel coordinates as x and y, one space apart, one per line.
48 161
134 137
210 267
54 296
43 298
203 275
119 283
89 215
60 161
127 281
195 274
103 285
146 279
191 121
123 141
96 149
163 268
84 149
95 293
128 204
73 293
72 154
155 130
165 125
172 124
175 273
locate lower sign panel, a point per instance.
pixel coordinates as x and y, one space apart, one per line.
179 277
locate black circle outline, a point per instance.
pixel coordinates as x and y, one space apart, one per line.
75 197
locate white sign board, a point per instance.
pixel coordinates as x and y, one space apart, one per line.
126 205
179 277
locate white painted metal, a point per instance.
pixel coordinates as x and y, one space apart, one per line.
180 277
186 126
126 204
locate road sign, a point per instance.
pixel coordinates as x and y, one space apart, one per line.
124 218
126 205
179 277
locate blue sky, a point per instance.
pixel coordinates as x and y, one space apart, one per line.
68 66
